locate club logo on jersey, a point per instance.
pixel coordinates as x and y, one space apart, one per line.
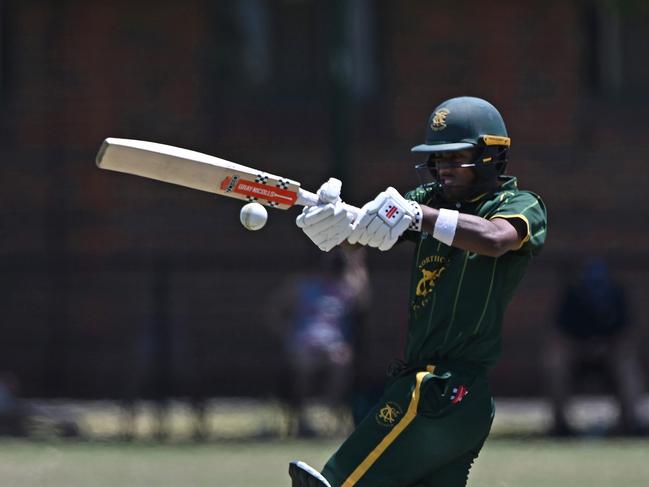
389 414
427 282
439 119
431 268
430 276
458 393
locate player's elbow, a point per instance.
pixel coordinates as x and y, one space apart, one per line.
498 238
495 244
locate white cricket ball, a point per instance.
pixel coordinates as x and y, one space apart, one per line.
253 216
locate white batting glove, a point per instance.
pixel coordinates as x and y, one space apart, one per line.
329 192
383 220
327 224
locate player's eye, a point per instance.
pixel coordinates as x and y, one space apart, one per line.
448 164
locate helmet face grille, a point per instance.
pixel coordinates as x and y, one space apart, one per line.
486 162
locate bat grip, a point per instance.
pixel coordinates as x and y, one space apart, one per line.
307 198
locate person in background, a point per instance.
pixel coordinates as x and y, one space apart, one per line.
594 334
319 317
13 412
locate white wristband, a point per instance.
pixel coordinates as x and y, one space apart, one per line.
445 226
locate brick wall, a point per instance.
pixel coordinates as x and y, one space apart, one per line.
93 261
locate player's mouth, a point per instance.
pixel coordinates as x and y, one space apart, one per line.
447 181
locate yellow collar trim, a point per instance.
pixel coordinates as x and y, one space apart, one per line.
477 198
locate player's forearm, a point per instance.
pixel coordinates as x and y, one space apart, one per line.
474 233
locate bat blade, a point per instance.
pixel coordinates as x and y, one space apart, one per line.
200 171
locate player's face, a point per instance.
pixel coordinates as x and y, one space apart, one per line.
456 180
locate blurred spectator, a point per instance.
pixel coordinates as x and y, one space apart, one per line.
320 317
594 335
167 359
19 417
13 413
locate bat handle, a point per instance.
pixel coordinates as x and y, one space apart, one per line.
307 198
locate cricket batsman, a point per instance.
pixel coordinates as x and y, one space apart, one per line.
475 233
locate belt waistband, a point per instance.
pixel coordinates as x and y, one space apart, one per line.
397 368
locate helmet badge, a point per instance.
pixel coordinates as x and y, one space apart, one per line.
439 119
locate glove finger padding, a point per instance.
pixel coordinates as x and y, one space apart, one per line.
373 206
362 220
376 230
395 233
311 215
334 236
383 220
332 220
336 223
326 225
330 243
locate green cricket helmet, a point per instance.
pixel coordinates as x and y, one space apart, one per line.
467 122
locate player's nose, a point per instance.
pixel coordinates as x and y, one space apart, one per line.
445 170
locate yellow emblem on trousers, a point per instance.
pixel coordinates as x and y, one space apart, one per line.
439 119
389 414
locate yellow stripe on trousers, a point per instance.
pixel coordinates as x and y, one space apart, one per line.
391 436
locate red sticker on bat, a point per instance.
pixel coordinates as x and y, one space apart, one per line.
257 190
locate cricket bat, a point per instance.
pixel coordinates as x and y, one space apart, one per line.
206 173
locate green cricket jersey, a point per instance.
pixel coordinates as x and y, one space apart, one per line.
458 298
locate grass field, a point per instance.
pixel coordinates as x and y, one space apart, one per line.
246 446
503 463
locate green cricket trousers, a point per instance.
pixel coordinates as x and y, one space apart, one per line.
426 431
